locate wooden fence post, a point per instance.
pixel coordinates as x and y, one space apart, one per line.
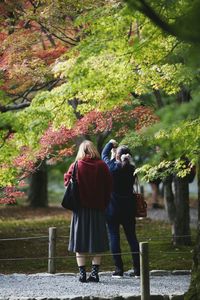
52 250
144 271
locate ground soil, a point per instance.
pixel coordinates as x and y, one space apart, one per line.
26 212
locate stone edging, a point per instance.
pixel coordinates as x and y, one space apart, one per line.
157 272
108 273
122 297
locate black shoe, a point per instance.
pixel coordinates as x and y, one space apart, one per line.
82 277
135 274
118 273
93 278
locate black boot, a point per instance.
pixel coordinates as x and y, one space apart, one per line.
82 276
119 272
94 276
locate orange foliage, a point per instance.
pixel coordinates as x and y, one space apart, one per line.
27 47
50 55
145 117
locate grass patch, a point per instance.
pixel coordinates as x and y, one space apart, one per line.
16 222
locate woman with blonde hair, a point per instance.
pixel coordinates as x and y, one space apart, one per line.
88 232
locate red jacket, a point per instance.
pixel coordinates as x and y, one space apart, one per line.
94 181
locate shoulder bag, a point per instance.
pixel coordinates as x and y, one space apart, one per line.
141 205
71 199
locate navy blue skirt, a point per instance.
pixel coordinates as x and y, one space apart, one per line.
88 231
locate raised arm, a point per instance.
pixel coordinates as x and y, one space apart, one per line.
106 154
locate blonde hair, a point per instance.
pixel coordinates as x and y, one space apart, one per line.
87 149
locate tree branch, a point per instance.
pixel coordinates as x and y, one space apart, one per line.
63 33
171 29
49 35
55 35
25 101
4 109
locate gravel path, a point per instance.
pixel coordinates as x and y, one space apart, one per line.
66 286
161 214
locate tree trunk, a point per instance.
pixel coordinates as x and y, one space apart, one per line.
169 199
158 97
182 218
194 289
38 193
184 95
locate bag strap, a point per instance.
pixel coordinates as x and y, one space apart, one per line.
75 168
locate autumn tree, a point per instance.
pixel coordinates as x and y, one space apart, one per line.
121 57
33 35
31 42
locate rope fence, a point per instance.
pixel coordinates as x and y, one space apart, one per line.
67 237
52 239
65 256
25 238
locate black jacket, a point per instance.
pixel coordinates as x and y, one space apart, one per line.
122 202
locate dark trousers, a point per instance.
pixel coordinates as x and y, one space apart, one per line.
114 234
